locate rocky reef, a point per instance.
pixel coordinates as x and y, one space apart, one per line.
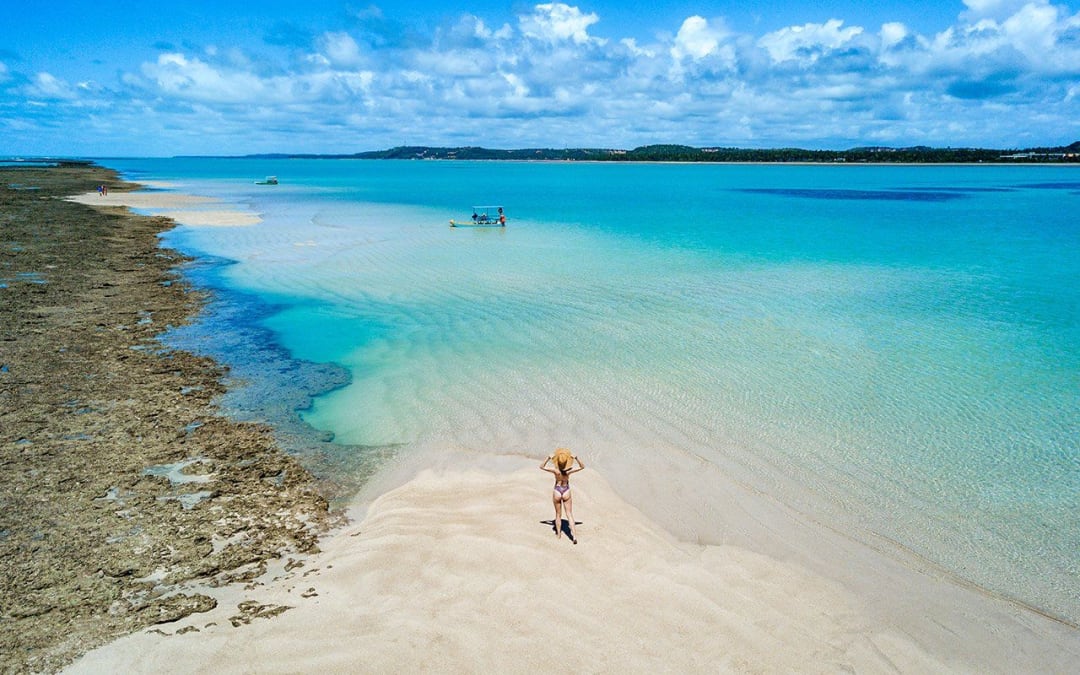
121 483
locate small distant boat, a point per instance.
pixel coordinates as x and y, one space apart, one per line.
269 180
483 216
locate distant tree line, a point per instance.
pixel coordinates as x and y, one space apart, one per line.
686 153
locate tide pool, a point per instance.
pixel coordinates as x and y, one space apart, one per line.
891 349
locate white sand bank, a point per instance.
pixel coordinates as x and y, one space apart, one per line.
455 572
184 209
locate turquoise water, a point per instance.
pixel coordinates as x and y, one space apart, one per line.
895 350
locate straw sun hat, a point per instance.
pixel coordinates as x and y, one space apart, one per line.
563 459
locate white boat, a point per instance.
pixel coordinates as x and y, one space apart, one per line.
483 216
269 180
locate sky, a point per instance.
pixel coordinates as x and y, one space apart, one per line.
136 78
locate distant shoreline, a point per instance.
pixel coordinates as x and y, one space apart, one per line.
683 154
384 155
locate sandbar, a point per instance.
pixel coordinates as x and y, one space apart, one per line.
458 570
184 209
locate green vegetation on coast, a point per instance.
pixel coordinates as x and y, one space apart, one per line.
685 153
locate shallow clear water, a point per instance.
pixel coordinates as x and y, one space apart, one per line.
893 349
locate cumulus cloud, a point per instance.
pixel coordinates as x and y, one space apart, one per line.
808 42
696 39
557 22
1037 40
1032 28
191 79
340 49
892 34
177 75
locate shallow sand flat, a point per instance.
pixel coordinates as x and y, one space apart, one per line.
182 208
454 571
211 217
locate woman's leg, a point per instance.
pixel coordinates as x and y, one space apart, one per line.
569 499
557 499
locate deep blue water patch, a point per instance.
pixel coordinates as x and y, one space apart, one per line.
929 195
265 384
1051 186
961 189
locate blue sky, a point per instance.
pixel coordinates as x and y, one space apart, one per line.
197 77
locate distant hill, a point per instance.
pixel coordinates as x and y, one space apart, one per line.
686 153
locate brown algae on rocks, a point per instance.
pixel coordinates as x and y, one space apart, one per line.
121 485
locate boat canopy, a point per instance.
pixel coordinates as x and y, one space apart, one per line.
489 216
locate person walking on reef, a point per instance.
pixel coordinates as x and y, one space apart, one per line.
563 466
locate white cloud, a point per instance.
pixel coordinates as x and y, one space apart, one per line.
194 79
1032 28
696 39
558 22
996 9
632 46
48 86
1037 39
340 49
517 86
455 63
806 43
191 79
504 33
480 30
892 34
699 51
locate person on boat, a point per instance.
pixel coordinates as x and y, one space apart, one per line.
563 466
502 217
474 217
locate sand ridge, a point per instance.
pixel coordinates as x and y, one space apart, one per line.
456 571
185 209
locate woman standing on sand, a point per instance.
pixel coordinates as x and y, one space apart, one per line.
563 467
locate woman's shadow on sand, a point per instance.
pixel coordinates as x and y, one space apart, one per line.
564 524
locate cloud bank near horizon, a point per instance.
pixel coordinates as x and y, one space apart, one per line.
1005 74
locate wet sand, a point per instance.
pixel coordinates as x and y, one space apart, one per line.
120 482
